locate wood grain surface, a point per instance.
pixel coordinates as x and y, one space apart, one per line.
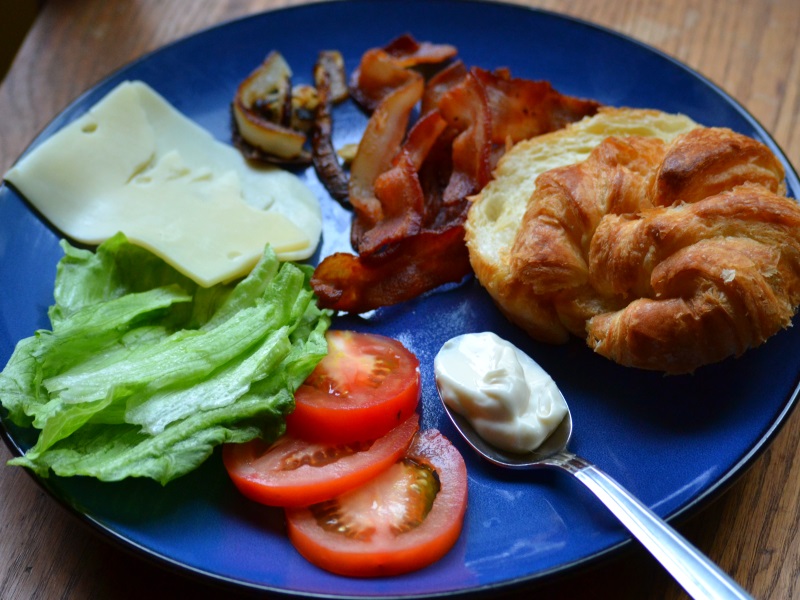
750 48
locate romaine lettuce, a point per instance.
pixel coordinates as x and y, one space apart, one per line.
144 372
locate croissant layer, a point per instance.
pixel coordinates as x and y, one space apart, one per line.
668 249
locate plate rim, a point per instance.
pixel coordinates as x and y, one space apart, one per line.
690 509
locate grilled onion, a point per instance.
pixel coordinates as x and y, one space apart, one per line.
263 112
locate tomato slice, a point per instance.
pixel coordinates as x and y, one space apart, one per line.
365 386
294 472
406 518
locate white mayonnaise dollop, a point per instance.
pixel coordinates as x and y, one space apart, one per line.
507 397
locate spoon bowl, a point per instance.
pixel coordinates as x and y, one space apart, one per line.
695 572
552 446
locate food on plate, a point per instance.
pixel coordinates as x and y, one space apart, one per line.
416 265
666 245
366 385
509 400
329 79
497 212
296 472
404 519
274 121
134 164
383 70
263 112
144 372
410 189
360 503
272 117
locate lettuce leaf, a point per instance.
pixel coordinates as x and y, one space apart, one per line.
144 372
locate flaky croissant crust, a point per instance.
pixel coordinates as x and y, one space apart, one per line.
664 256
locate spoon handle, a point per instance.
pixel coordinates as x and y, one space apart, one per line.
698 575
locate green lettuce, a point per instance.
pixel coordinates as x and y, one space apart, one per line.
144 372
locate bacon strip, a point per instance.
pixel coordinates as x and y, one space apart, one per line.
379 145
466 108
408 52
416 265
383 70
521 109
439 84
410 192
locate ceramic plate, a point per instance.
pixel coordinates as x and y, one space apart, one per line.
674 442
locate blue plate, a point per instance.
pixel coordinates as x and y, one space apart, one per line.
675 442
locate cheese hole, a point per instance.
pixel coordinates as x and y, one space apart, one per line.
233 255
89 128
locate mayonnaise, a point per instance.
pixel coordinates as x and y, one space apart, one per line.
507 397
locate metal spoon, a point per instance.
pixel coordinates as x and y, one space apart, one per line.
698 575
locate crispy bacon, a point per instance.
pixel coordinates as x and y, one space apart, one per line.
440 83
493 111
422 137
383 70
379 145
402 204
408 52
400 191
521 109
410 192
416 265
466 109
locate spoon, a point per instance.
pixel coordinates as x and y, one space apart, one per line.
695 572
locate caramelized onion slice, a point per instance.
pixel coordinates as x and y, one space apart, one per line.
333 63
267 87
280 142
328 74
262 109
303 104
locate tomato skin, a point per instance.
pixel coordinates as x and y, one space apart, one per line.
388 555
366 385
256 467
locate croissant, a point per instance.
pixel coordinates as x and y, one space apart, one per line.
664 253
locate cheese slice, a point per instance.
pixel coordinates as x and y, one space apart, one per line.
135 164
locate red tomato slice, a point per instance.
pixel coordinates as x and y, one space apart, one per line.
365 386
406 518
293 472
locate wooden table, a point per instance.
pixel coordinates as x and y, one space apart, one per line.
751 48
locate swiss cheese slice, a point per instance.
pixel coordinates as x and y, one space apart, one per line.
135 164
